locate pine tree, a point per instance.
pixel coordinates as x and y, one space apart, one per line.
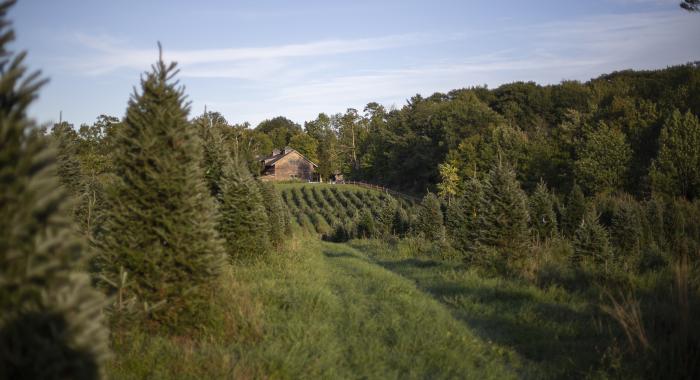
626 229
68 165
401 223
214 155
160 222
277 213
430 223
591 241
676 169
543 220
385 219
462 219
366 228
51 326
243 221
574 211
504 217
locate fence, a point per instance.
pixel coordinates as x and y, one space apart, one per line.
383 189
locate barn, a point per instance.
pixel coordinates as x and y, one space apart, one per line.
287 165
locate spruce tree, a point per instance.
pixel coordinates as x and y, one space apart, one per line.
503 220
277 213
543 220
385 219
366 228
401 222
243 221
574 211
68 164
591 241
214 154
160 222
430 223
51 324
627 229
462 219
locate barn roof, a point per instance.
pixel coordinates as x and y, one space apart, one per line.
272 160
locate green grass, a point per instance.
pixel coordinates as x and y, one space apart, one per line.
557 332
320 310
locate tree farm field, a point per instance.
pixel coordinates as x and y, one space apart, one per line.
326 190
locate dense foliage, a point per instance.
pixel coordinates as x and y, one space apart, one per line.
51 323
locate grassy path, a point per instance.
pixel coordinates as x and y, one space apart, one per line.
390 329
322 311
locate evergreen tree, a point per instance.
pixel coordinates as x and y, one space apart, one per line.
591 240
543 220
676 169
51 324
627 229
160 224
504 217
401 223
574 211
462 219
214 155
277 213
430 223
243 222
366 228
68 164
385 219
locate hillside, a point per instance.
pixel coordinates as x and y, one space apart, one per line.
324 209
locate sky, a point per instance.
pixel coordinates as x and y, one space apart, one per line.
254 60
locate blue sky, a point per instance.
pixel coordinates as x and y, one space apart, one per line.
253 60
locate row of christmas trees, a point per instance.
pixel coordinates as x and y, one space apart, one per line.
174 209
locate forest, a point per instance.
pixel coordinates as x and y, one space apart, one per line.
535 231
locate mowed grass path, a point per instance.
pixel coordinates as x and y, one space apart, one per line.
332 313
320 311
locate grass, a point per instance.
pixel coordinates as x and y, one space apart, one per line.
321 310
559 333
378 310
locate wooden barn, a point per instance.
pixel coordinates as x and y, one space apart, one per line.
288 165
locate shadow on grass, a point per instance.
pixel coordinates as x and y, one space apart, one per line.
560 340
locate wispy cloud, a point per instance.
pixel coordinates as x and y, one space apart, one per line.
111 54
